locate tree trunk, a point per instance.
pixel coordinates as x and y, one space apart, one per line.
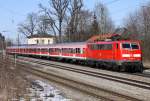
60 32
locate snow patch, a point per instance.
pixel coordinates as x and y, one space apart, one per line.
39 90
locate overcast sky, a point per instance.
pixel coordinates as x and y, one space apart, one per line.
12 12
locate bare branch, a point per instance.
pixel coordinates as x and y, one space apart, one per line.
29 27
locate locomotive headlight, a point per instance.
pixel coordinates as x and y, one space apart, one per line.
136 55
126 55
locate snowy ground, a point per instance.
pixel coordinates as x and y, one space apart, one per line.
40 91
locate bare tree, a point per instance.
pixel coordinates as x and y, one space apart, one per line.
43 26
133 26
94 27
74 13
105 22
29 26
146 21
83 28
56 13
138 23
9 42
50 20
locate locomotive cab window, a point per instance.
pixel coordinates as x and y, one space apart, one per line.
126 45
134 46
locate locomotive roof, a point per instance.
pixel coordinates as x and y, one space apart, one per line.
106 42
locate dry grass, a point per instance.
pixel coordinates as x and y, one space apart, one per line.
12 83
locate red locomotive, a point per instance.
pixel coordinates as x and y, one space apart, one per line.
123 55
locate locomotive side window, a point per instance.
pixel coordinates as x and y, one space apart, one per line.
106 47
101 47
109 47
126 45
134 46
94 47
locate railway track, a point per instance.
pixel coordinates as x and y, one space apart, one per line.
81 86
132 82
136 83
146 75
